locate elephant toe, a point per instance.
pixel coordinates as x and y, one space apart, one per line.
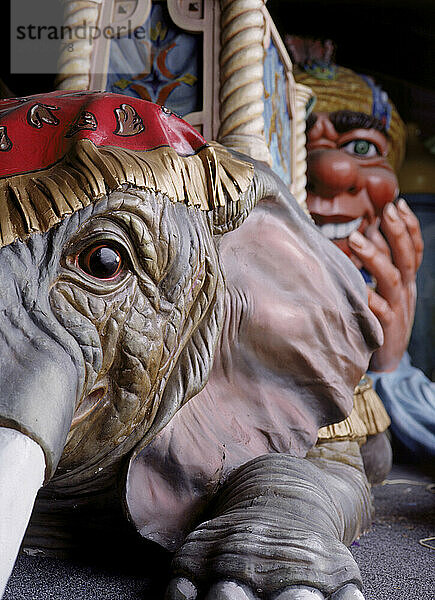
229 590
181 588
300 592
348 592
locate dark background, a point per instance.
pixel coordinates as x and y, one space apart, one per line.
392 40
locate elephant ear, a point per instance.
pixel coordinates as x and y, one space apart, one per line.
235 183
297 336
229 180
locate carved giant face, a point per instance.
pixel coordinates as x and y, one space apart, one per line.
349 178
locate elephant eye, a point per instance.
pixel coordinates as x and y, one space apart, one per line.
101 261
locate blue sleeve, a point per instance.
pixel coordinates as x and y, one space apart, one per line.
409 399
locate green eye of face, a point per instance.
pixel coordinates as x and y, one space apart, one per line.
362 148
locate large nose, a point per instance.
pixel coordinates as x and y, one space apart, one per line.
331 172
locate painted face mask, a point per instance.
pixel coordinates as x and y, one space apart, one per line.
355 143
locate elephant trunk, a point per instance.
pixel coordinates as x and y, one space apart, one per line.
38 390
39 385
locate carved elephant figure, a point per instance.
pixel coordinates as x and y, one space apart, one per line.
118 225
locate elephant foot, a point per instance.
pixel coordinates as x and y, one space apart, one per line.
278 530
377 456
183 589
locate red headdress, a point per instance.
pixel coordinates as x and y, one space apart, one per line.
62 150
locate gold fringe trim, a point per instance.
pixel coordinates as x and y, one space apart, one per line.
351 429
369 407
368 417
34 202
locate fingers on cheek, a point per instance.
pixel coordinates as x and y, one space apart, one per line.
418 247
395 278
393 223
413 225
408 216
401 242
361 245
356 261
378 240
409 269
380 308
411 222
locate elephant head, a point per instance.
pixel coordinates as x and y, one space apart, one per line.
113 296
112 291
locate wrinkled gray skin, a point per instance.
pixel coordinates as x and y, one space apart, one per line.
77 335
91 369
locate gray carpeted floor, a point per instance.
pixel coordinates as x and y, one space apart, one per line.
394 564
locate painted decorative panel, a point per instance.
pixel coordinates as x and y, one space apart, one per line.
235 88
277 119
163 64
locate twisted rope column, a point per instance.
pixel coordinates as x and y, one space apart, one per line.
303 94
74 64
241 78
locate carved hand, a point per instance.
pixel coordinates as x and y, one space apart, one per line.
393 259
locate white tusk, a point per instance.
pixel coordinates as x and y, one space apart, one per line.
22 469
